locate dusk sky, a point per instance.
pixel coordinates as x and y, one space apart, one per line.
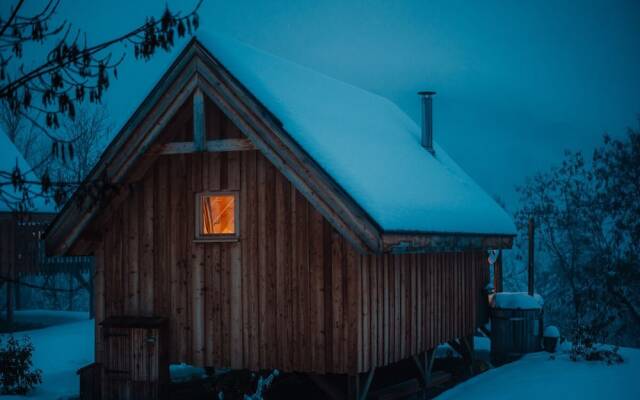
518 82
329 253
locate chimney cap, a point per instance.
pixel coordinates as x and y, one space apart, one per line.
426 93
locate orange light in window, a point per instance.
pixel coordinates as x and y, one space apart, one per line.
218 215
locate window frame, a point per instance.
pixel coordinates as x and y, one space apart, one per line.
217 237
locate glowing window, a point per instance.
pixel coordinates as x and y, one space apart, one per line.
217 215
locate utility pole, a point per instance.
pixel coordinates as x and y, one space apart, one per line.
530 268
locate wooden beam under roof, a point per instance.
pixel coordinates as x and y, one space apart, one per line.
211 146
199 129
425 242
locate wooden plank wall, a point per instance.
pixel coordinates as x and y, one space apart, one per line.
413 302
291 293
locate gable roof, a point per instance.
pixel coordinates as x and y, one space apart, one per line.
10 156
367 144
354 155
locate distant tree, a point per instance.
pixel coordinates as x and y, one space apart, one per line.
11 122
588 230
89 131
33 146
74 72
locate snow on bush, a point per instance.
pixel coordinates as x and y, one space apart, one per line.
17 375
609 355
551 331
185 373
262 386
242 384
584 345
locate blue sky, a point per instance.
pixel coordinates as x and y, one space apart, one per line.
518 81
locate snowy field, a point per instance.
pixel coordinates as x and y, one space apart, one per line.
538 376
59 351
62 349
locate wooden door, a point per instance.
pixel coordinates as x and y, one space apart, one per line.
133 362
117 363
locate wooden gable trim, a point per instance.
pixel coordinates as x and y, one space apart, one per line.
268 136
134 142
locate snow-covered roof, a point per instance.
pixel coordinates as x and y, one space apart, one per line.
363 142
9 157
368 145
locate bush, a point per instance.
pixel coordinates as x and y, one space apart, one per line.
595 353
584 347
17 375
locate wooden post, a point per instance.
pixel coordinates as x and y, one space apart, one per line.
18 294
199 130
330 390
10 302
70 294
425 366
468 343
92 299
531 250
497 273
353 387
365 389
356 391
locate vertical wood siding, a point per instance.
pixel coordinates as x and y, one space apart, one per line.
291 293
413 302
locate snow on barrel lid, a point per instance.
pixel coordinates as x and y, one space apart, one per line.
551 331
517 301
366 144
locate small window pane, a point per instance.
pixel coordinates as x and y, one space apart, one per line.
218 215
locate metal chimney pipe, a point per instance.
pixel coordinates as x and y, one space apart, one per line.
427 120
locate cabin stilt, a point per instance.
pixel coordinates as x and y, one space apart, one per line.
424 364
10 302
358 385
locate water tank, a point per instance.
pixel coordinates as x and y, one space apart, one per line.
516 324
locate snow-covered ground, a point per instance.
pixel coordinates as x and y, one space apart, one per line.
63 347
538 376
46 318
59 351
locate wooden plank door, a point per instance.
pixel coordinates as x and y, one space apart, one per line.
117 363
132 363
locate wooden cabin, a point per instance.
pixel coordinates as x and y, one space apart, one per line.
277 218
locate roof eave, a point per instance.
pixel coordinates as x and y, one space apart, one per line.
426 242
